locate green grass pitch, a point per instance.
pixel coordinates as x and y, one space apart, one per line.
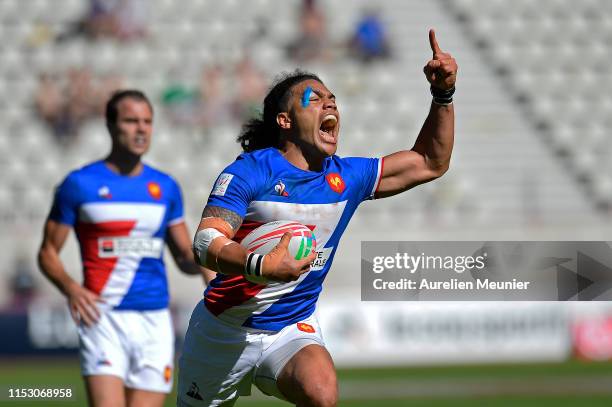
556 385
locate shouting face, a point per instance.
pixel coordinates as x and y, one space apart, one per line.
312 119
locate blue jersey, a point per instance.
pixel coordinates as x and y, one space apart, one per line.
262 187
120 223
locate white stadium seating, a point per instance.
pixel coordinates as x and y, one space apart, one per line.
510 178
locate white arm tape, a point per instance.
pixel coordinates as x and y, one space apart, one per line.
202 242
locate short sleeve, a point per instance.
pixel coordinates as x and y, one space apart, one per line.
66 202
235 187
175 204
366 172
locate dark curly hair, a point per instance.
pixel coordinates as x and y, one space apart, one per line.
264 132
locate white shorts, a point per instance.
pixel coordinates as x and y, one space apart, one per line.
221 361
137 346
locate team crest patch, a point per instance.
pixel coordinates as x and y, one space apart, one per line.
304 327
335 182
279 188
222 183
154 190
167 373
104 192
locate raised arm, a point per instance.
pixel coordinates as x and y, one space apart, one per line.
430 156
214 249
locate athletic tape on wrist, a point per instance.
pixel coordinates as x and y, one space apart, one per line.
253 264
202 242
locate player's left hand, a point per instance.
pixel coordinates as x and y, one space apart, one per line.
280 265
441 70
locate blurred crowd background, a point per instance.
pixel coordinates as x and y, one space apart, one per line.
533 105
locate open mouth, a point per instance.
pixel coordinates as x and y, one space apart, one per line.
327 129
140 140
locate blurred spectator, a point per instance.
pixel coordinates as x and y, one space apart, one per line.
79 98
22 284
65 104
100 20
214 100
311 42
49 102
220 96
132 18
180 104
124 20
203 105
251 89
369 42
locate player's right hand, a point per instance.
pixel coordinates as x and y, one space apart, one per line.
82 303
279 265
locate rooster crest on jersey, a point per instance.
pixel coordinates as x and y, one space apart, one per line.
267 236
335 182
279 188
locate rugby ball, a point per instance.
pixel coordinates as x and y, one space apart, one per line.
264 238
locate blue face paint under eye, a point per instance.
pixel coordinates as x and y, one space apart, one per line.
306 96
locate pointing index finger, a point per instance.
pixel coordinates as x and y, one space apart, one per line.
434 43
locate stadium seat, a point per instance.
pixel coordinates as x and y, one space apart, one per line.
382 105
564 98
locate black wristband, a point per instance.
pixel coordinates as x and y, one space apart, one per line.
258 265
442 97
253 264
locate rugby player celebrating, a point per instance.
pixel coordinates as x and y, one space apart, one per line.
267 334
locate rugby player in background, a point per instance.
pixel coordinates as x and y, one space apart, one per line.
123 212
243 332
